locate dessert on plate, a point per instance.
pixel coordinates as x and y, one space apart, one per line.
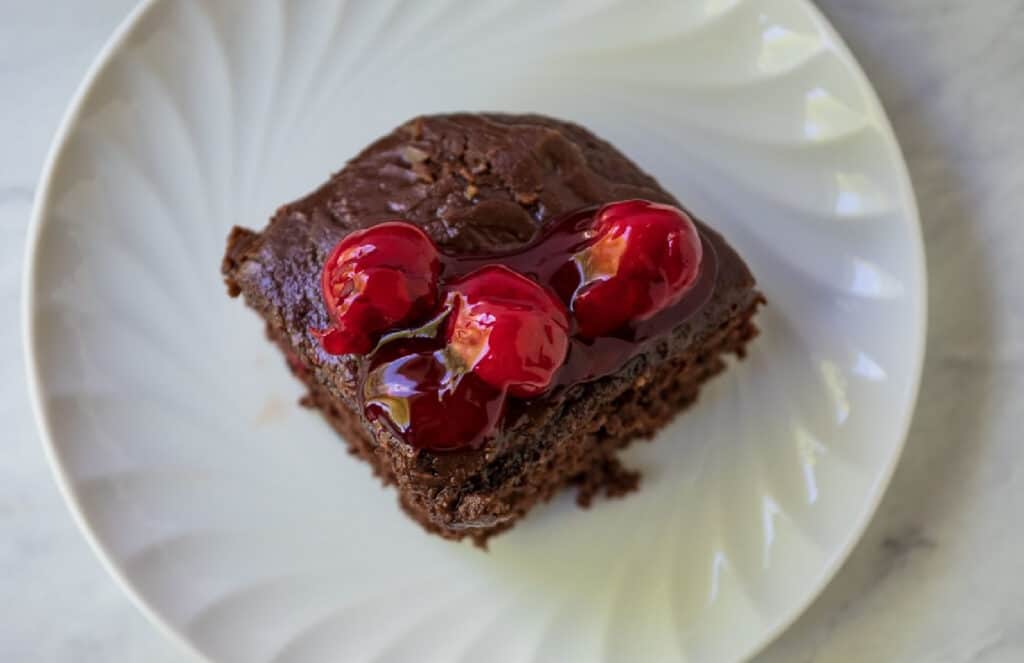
488 307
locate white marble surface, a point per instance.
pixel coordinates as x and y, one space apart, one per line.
938 578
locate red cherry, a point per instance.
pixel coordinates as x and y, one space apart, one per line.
644 257
375 280
507 329
430 404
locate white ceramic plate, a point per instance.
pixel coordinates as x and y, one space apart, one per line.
236 518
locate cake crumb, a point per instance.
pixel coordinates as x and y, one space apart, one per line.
471 192
273 409
610 477
524 198
422 172
415 128
414 155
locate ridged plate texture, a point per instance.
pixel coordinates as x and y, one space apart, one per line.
237 519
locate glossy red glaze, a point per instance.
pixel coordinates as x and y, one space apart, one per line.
643 258
375 280
451 338
507 329
428 401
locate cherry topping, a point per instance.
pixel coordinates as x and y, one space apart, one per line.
449 339
644 257
428 404
375 280
507 329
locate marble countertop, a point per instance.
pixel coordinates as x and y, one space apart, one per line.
938 577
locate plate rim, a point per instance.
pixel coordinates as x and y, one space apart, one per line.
41 211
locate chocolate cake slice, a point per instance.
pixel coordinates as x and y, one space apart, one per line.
488 307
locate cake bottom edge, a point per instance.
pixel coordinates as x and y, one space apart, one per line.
587 460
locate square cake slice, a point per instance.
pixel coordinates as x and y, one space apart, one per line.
488 307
